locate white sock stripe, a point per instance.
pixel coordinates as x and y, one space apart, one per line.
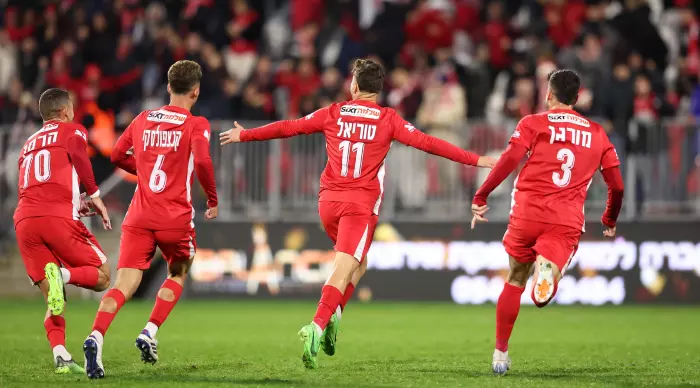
65 274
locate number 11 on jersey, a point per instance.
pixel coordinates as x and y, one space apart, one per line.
359 149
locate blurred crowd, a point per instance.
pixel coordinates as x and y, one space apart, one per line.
464 70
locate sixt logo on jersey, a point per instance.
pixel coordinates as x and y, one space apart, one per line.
568 118
360 111
164 116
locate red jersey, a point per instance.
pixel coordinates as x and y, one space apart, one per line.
169 144
565 150
358 135
53 163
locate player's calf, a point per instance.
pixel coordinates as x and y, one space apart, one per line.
167 298
330 333
545 281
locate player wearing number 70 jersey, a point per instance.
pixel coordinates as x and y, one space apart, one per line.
53 163
169 145
358 135
547 217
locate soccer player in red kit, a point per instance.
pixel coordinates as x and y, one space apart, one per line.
168 144
547 211
53 163
358 135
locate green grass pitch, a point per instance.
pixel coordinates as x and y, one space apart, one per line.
236 343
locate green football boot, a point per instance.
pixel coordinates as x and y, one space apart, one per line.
67 367
312 342
56 299
330 335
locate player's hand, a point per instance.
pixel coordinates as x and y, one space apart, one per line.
233 135
211 213
610 232
487 161
102 211
478 212
86 206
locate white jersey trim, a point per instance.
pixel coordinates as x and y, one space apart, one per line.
75 191
380 176
361 245
190 170
97 250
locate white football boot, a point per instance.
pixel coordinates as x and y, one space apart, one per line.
92 347
148 347
501 362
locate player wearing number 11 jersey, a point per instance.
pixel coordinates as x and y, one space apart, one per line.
564 151
358 135
168 145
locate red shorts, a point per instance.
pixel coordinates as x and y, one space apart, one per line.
349 225
137 246
66 242
524 240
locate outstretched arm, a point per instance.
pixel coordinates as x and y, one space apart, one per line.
277 130
506 165
407 134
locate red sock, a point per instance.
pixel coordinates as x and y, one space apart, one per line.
347 295
103 318
506 313
55 326
85 277
330 300
162 308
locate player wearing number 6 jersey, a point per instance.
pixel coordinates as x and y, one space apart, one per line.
52 165
358 135
169 145
547 217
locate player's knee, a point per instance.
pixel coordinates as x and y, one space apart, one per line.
518 277
178 269
360 271
345 264
166 294
103 282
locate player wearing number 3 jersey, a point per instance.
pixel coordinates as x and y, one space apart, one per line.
163 147
358 136
547 216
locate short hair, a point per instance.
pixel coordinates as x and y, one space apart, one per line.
369 75
184 76
565 84
53 101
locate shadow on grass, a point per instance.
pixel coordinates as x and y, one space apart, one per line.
153 380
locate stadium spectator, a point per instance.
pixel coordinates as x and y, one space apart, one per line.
446 59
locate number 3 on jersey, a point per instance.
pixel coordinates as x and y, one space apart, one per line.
359 149
158 177
563 178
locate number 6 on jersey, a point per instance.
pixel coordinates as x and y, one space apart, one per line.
158 177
